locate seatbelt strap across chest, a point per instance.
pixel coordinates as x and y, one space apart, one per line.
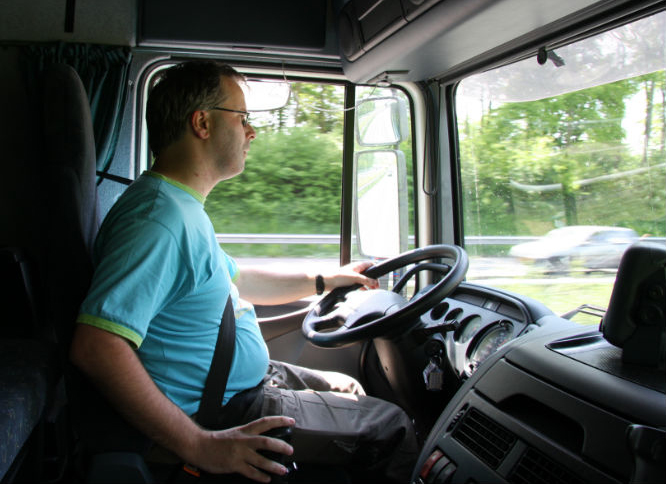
218 374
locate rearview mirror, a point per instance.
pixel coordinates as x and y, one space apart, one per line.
380 209
266 95
381 121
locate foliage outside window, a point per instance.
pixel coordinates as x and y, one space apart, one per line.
292 182
292 178
577 141
372 92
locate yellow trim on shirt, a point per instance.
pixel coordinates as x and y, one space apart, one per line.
177 184
111 327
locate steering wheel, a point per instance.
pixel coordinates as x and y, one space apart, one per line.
345 316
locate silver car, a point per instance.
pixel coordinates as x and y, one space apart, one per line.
592 247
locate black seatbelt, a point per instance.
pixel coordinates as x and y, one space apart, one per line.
220 366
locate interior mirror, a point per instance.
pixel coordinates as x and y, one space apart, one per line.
381 121
380 195
266 94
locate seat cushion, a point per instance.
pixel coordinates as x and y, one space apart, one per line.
27 371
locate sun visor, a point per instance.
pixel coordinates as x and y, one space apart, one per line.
296 24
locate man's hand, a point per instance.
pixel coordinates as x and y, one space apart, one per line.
349 275
235 450
114 366
270 285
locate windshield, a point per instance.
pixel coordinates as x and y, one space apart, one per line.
575 139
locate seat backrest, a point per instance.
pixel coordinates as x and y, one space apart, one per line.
20 137
71 195
70 165
17 296
50 210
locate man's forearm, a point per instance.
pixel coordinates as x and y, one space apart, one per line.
112 364
265 286
119 374
262 285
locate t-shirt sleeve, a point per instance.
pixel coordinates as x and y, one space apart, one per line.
231 264
140 270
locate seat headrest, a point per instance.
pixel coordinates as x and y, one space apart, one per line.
69 143
68 127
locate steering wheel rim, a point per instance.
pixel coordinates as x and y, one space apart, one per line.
397 311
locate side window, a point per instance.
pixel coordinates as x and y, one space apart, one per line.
286 205
552 152
384 192
383 224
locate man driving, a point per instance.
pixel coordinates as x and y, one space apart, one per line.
148 327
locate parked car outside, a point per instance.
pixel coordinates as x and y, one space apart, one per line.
590 247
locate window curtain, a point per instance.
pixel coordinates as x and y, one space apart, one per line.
104 71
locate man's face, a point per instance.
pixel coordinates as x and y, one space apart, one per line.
230 137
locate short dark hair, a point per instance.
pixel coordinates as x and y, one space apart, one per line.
179 91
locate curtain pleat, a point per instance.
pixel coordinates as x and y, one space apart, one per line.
104 71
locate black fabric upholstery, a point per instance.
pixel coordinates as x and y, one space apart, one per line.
16 296
20 137
71 192
27 379
69 140
26 363
73 222
56 157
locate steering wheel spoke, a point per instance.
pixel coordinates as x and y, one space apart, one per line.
430 266
327 322
358 315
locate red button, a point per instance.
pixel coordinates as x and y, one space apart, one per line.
430 462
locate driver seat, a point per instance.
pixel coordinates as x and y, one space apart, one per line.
72 222
109 450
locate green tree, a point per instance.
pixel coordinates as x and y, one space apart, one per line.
550 143
286 186
318 105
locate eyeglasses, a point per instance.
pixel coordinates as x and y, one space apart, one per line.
246 116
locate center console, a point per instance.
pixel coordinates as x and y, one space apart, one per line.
552 406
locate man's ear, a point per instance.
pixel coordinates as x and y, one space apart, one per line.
200 124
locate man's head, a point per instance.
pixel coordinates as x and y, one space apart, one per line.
180 91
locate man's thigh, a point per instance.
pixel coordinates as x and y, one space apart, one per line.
293 377
338 428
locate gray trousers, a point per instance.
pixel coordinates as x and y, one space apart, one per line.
336 423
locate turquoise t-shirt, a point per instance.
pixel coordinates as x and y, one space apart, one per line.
161 281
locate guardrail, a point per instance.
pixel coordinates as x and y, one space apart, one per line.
278 239
335 239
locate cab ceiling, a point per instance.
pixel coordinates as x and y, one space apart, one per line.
429 39
110 22
454 35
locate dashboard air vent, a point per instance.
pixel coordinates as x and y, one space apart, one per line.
486 439
535 468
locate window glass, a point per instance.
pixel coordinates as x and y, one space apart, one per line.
383 223
563 163
286 203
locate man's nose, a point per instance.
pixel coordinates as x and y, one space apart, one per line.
250 132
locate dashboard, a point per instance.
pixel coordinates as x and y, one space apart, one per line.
542 399
474 322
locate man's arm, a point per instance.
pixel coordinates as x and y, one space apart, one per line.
263 285
115 368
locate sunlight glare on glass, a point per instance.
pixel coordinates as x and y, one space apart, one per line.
265 95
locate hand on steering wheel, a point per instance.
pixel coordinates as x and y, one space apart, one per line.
345 316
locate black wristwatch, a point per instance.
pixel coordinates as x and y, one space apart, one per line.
319 284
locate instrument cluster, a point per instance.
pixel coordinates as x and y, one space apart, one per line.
479 321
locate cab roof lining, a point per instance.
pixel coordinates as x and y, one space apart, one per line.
433 43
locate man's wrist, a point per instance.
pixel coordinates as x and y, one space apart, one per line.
193 446
319 284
